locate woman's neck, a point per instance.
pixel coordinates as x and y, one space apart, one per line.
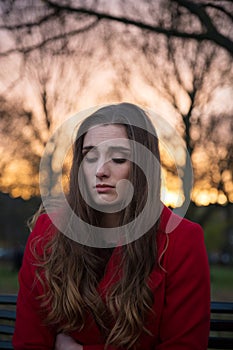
110 220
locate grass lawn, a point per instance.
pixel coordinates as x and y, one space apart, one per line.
221 281
8 279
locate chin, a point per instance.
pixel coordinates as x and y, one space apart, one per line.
113 206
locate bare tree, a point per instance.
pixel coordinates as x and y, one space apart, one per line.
31 109
181 50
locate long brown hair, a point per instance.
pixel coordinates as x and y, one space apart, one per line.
73 271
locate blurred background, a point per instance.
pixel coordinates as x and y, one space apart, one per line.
171 56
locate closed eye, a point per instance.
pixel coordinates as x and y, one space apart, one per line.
119 160
90 159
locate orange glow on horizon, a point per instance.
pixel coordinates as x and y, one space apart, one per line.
19 181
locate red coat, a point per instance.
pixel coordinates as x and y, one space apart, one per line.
181 294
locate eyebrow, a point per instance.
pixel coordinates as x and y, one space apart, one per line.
112 148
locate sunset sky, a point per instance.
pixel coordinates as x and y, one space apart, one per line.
109 65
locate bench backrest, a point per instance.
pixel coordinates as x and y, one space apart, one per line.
7 320
221 327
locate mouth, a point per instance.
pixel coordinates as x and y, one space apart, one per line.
102 188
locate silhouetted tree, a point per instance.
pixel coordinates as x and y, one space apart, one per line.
181 50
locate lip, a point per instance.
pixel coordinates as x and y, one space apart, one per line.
102 188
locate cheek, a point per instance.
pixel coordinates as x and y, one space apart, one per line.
125 172
87 173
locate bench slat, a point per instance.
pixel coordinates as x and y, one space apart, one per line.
220 343
6 329
6 345
221 325
9 299
220 307
7 314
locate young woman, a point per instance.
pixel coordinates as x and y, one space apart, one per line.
131 284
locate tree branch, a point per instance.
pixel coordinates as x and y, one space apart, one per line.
218 7
211 32
211 35
195 8
31 48
30 24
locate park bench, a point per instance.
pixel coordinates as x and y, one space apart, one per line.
221 327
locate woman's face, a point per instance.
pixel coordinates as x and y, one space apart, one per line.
106 152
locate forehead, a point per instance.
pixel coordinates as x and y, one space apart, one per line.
105 133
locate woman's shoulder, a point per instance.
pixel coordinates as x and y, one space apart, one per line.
43 225
173 224
43 231
184 238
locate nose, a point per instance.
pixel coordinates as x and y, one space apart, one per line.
103 170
